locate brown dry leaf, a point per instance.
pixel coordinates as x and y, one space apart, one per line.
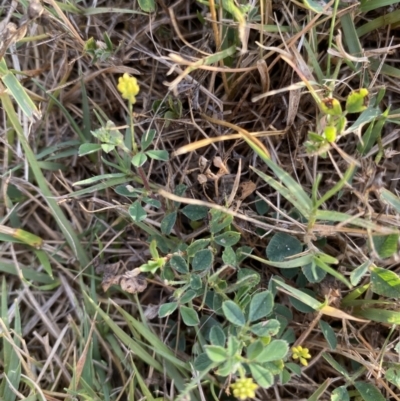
12 34
246 189
203 164
202 179
130 281
223 169
110 276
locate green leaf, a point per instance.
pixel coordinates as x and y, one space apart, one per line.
139 159
385 282
386 245
266 329
168 222
195 212
167 309
254 349
107 147
248 278
217 336
229 256
369 392
357 101
331 106
137 212
153 249
147 6
203 363
329 334
314 6
228 238
274 351
261 375
179 264
392 375
127 190
281 246
195 282
152 202
189 316
87 148
358 273
262 207
313 273
242 253
187 296
216 353
293 367
233 313
147 139
261 305
234 346
226 369
218 300
340 394
219 220
202 260
158 155
196 246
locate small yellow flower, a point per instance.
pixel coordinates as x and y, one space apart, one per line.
128 87
244 388
302 354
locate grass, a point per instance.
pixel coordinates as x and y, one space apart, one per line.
230 231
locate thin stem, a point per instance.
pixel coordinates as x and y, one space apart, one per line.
132 129
334 13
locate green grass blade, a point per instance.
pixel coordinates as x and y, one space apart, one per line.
379 315
133 345
350 35
62 221
293 192
337 187
369 5
153 339
18 92
329 215
380 22
390 198
70 119
10 341
332 271
297 262
385 69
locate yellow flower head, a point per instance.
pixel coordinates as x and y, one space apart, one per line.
302 354
128 87
244 388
